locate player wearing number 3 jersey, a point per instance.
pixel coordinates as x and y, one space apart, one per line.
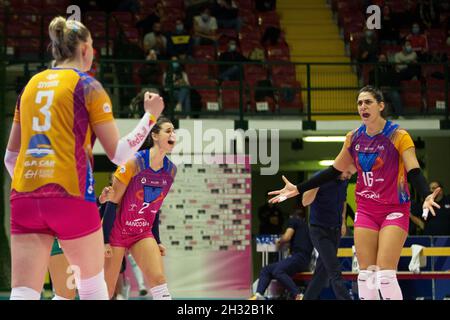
58 116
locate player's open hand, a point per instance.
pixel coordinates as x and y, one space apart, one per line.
289 191
429 203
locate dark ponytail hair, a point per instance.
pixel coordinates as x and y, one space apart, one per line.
156 129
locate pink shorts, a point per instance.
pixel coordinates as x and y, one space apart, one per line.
117 239
377 218
64 218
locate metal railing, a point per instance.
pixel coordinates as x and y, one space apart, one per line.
265 89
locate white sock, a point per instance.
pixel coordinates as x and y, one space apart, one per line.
93 288
388 284
161 292
137 273
56 297
24 293
367 285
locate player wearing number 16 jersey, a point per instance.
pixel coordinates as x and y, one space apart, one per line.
58 115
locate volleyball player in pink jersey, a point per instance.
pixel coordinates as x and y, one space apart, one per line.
385 158
58 115
140 187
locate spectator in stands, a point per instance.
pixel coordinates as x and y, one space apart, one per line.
429 15
132 6
176 82
438 225
271 219
226 13
265 5
368 47
179 43
389 32
230 72
297 234
419 43
156 40
326 226
150 72
385 77
406 61
409 14
146 25
205 28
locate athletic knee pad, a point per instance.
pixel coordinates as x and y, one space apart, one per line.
367 285
93 288
388 284
24 293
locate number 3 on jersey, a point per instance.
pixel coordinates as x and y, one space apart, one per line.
368 178
45 110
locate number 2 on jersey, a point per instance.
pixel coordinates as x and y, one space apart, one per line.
145 205
45 110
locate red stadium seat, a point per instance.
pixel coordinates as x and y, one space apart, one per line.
289 95
230 95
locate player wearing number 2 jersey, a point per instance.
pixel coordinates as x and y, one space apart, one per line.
385 158
58 115
140 187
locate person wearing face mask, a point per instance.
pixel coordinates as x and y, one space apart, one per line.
406 61
179 43
205 28
230 71
419 42
368 47
226 13
176 82
156 40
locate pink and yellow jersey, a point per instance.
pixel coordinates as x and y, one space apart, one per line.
56 112
381 173
146 191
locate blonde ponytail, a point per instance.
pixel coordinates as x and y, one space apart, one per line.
65 36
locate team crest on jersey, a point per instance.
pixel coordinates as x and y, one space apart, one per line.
369 161
122 169
151 193
39 146
143 180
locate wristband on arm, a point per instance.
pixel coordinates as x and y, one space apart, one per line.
416 178
130 144
329 174
108 219
155 229
10 161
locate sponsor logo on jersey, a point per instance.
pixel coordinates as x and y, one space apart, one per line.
394 215
140 222
106 108
368 194
39 146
